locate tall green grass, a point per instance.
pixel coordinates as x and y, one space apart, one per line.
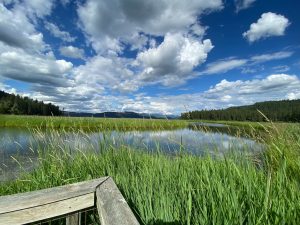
88 123
185 189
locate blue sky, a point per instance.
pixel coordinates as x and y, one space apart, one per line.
163 56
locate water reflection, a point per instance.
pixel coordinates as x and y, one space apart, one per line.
203 124
21 144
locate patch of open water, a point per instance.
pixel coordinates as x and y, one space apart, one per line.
21 144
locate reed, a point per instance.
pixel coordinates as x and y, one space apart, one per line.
184 189
88 123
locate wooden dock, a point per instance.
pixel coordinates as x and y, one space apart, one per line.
68 201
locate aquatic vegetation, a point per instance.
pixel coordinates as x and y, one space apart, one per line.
88 123
185 189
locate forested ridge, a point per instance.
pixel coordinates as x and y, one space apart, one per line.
15 104
285 110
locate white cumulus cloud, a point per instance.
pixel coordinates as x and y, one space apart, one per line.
268 25
275 86
106 23
72 52
58 33
106 73
33 68
33 8
177 55
221 95
16 30
243 4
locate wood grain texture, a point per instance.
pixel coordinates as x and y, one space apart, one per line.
48 211
11 203
48 203
111 205
74 219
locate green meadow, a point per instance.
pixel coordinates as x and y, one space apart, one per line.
237 188
88 123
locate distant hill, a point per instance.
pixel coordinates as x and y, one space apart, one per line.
285 110
106 114
15 104
118 115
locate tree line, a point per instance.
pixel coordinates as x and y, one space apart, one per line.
285 111
15 104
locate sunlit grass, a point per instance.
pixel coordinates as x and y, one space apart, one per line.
88 123
182 188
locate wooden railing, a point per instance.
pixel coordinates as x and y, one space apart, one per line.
68 200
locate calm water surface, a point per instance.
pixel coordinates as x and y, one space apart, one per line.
18 146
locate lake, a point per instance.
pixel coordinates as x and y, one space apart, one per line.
18 146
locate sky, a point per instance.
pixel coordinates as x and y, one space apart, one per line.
159 56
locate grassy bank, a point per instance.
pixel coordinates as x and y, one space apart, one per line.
185 189
248 124
86 123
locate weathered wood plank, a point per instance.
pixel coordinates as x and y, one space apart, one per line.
74 219
11 203
47 211
111 205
